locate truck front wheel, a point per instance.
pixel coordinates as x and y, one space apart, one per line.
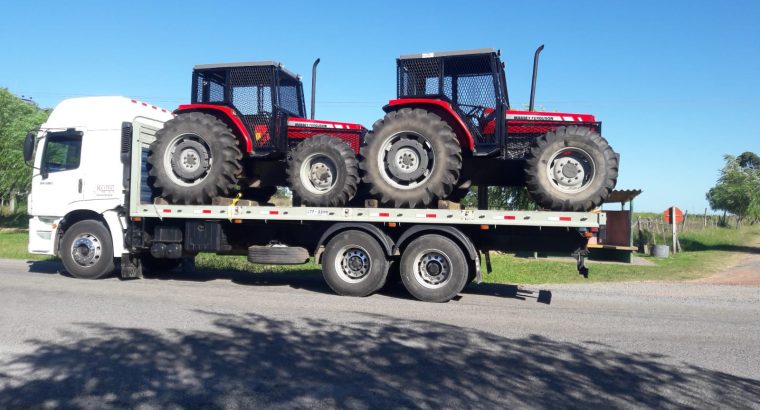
86 250
195 158
354 264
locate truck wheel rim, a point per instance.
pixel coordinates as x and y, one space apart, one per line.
571 170
187 160
86 250
432 269
406 160
318 174
353 263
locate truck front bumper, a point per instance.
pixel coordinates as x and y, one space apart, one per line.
42 234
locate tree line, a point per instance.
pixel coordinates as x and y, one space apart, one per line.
738 188
17 117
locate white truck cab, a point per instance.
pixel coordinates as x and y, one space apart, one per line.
78 174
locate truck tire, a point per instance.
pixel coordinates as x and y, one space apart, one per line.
571 169
323 171
411 158
434 268
195 158
354 264
86 250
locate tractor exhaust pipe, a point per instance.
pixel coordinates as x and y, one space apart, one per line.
535 74
313 86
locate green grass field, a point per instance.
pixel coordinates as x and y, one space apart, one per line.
706 252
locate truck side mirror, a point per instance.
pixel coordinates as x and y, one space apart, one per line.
29 147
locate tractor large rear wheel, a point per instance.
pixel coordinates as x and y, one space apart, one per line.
571 169
411 158
195 158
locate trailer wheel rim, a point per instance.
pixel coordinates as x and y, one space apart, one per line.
406 160
86 250
571 170
353 263
318 173
187 160
432 269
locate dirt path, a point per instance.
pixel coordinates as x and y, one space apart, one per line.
745 272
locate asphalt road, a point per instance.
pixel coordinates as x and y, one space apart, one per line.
236 340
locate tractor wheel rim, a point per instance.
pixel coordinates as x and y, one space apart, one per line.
406 160
86 250
432 269
571 170
318 174
187 160
353 263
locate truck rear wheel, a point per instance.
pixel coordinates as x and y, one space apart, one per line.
571 169
411 158
323 171
86 250
354 264
434 268
195 158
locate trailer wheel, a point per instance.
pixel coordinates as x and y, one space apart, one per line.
354 264
434 268
571 169
195 158
323 171
86 250
412 157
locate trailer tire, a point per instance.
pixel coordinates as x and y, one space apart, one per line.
194 158
591 164
86 250
323 171
434 268
354 264
411 158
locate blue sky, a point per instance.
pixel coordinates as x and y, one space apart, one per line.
676 83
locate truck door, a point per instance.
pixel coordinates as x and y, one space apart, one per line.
59 180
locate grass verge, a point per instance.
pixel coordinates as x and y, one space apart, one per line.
706 252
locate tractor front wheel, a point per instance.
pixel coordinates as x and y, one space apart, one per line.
195 158
323 171
571 169
411 158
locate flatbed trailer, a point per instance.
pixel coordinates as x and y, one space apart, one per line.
435 252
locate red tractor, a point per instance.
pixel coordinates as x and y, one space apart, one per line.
451 126
246 131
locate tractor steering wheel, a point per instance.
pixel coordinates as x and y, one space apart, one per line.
474 111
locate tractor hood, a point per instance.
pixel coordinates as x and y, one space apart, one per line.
541 116
297 122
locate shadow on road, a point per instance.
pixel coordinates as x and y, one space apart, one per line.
310 280
252 360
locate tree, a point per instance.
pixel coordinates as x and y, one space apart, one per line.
16 118
509 198
749 160
738 188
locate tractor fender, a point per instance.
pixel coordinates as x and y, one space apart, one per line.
227 115
442 109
